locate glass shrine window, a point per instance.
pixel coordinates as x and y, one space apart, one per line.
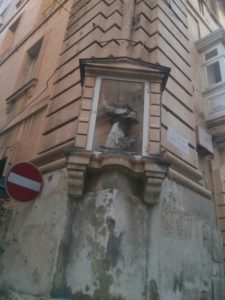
119 116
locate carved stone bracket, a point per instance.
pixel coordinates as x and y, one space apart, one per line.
156 170
151 169
77 163
75 183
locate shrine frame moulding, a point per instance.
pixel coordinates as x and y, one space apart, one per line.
150 167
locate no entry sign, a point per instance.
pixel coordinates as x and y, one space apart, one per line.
23 182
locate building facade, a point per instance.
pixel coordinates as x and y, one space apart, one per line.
121 106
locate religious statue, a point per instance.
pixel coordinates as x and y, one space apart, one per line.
122 117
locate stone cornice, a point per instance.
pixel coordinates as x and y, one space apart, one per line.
211 39
152 170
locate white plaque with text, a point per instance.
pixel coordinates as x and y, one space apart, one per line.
177 140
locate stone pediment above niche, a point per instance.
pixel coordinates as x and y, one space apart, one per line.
126 67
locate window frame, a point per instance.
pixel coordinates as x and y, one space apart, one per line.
210 85
94 108
15 24
220 58
22 80
31 60
26 85
207 52
11 34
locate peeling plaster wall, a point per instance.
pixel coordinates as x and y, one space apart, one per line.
110 246
32 242
185 252
170 251
108 257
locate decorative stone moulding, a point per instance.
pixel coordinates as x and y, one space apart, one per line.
124 66
211 40
152 170
76 168
104 139
26 88
156 170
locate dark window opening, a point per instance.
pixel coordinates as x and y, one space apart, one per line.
2 165
31 59
14 26
19 3
211 54
201 7
214 73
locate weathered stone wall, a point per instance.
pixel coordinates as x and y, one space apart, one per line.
186 256
108 257
125 250
111 246
35 237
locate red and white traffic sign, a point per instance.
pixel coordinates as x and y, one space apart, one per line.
23 182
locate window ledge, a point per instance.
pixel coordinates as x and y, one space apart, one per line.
22 90
214 88
216 122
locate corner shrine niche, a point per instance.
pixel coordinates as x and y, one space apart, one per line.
119 118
